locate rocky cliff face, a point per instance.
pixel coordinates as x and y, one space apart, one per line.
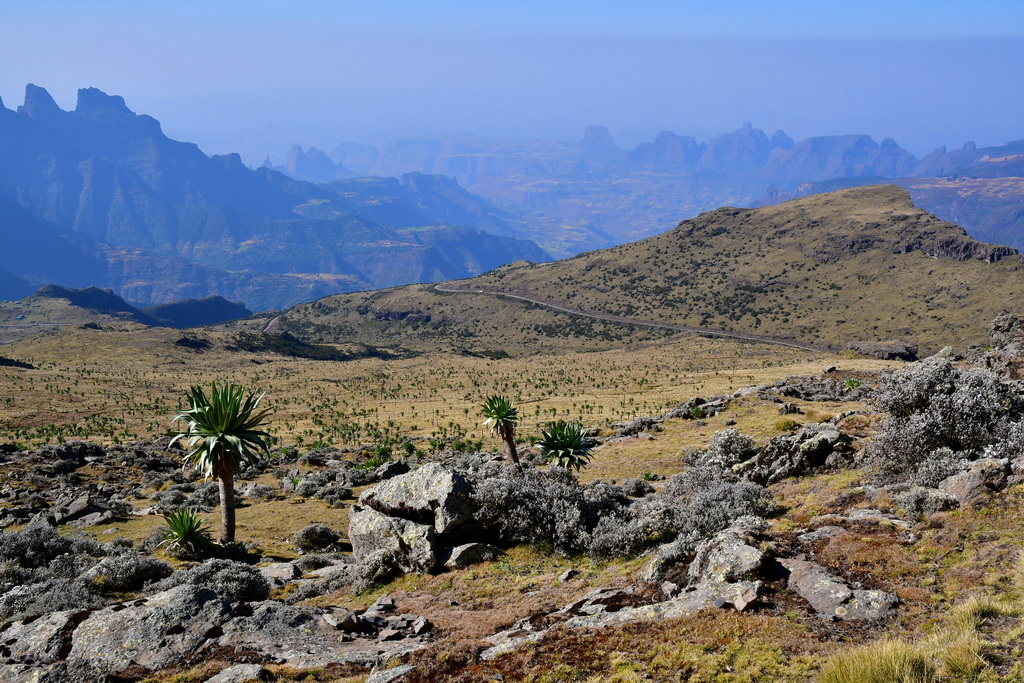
95 192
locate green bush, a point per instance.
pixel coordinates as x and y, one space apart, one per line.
184 533
564 444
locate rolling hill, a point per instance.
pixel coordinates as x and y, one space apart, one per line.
860 264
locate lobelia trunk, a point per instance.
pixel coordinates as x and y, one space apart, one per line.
510 444
226 481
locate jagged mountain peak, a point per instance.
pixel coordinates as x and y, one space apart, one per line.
38 102
780 139
597 136
93 102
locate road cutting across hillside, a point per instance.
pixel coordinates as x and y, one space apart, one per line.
703 331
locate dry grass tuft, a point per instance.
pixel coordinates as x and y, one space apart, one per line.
884 661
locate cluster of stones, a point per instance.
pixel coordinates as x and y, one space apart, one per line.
187 623
728 571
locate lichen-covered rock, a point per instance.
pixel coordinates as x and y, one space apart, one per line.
725 558
240 673
470 553
982 478
831 597
793 455
281 572
430 495
412 545
41 641
392 675
119 638
299 637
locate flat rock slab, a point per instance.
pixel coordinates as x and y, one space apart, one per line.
42 641
392 675
282 571
292 636
830 597
240 673
182 620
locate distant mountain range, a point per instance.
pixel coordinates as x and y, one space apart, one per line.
593 193
859 264
100 196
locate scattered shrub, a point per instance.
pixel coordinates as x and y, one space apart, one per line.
206 496
263 492
936 410
942 463
314 537
646 523
536 507
39 544
636 488
235 580
35 599
728 447
552 508
127 572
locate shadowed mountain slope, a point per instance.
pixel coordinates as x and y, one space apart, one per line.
101 188
853 265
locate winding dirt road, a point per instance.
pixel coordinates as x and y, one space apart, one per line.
702 331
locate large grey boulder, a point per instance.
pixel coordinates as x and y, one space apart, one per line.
831 597
983 477
412 545
432 495
119 639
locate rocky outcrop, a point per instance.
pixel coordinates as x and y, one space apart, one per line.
1006 356
722 575
420 521
433 495
128 640
896 350
982 478
794 455
832 598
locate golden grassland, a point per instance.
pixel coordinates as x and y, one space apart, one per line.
123 384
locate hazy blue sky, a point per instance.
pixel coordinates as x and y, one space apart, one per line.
257 75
